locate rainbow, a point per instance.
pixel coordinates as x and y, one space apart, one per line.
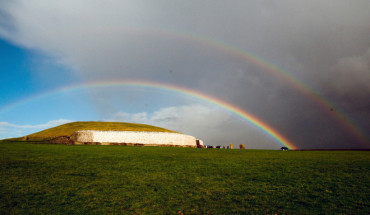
338 115
173 88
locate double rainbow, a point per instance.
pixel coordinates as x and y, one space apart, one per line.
323 103
308 92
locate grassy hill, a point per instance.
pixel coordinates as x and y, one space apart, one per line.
69 128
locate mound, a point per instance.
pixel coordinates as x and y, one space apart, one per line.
69 128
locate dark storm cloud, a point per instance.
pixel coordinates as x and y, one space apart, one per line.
324 44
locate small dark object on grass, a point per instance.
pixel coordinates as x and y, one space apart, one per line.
284 148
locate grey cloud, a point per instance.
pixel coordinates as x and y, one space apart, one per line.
352 75
127 117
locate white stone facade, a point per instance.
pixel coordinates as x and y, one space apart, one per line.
135 137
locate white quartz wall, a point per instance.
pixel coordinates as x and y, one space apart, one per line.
133 137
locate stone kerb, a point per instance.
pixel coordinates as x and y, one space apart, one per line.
134 137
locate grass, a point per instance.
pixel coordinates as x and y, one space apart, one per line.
68 128
61 179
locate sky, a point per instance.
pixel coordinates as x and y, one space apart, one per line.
302 68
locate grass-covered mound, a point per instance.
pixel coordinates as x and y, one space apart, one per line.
69 128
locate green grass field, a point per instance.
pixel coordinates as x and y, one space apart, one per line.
61 179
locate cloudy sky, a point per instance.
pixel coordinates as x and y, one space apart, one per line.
301 67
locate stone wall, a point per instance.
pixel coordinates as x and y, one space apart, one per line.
62 140
134 137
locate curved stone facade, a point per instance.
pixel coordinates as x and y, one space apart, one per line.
135 137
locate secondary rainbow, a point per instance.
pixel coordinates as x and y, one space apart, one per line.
173 88
308 92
